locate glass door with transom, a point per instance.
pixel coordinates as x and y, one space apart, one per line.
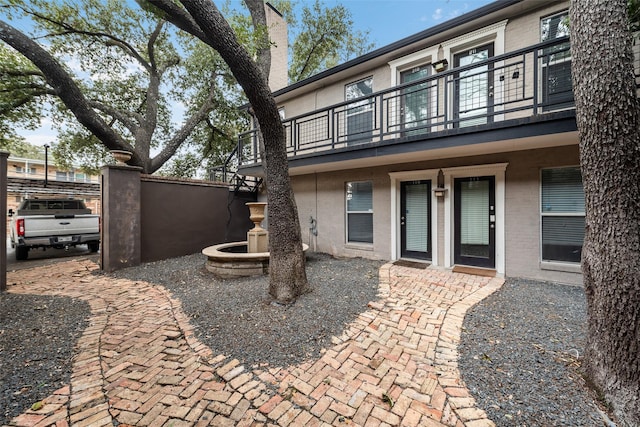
473 87
415 219
475 221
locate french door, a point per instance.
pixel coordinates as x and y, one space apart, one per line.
475 221
359 114
415 101
473 99
415 219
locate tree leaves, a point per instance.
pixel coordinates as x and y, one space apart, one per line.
325 39
152 86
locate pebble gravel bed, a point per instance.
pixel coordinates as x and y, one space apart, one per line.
37 337
238 318
520 355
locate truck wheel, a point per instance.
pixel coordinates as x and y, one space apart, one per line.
93 246
22 253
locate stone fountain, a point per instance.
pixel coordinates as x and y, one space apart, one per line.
242 259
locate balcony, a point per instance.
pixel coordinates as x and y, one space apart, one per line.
531 85
78 177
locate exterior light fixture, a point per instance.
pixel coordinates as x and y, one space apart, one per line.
440 65
439 191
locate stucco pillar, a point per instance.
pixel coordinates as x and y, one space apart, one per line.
120 214
3 224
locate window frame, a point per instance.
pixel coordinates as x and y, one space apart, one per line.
363 106
547 63
358 212
429 93
557 214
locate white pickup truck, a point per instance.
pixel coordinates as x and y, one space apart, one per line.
53 223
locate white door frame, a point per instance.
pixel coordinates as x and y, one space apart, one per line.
416 175
497 170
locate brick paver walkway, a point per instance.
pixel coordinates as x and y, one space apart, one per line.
139 363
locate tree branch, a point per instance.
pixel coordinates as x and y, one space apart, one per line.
27 86
179 17
17 103
111 40
259 19
151 44
65 88
120 116
22 73
181 135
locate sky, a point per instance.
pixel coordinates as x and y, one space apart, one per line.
386 20
391 20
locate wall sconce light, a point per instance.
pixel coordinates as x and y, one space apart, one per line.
440 65
440 192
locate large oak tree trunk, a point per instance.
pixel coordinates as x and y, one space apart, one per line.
608 117
287 274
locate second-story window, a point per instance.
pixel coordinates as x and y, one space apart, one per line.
556 63
359 114
62 176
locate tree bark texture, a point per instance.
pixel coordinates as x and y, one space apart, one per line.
287 274
608 118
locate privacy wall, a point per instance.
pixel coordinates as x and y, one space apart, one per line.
147 218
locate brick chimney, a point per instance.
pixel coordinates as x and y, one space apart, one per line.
278 75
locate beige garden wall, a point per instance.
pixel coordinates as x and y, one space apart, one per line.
322 196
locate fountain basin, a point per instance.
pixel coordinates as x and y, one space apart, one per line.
229 260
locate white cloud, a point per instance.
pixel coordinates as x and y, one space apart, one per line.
437 14
458 12
40 136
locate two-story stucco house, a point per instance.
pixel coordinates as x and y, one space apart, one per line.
456 146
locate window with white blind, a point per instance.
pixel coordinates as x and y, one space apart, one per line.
562 212
359 211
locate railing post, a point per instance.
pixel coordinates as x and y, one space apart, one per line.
294 136
381 115
445 90
332 114
256 146
536 86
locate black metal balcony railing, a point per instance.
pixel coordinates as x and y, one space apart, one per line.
228 173
515 85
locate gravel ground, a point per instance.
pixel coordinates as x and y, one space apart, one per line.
37 337
237 317
518 350
521 351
